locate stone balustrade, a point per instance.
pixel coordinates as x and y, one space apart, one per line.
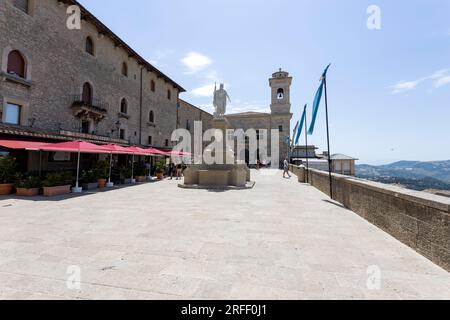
417 219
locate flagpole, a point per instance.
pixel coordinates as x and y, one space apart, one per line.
328 139
306 137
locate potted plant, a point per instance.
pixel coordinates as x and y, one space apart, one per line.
7 174
102 171
28 187
125 174
57 183
160 167
140 172
89 180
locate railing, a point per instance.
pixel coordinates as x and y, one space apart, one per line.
95 104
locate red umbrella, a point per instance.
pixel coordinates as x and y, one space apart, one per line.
17 144
113 148
75 147
156 152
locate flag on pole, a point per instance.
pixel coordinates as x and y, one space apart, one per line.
317 100
295 132
300 129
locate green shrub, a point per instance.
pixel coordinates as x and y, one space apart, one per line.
7 169
140 170
102 169
160 166
55 179
89 176
29 182
125 172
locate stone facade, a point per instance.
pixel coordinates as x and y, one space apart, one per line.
58 66
279 118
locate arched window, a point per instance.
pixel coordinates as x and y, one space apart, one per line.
22 5
125 69
89 46
280 94
87 93
16 64
169 94
124 106
151 117
152 85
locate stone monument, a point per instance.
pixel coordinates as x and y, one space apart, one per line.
229 173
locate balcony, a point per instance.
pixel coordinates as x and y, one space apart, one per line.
96 109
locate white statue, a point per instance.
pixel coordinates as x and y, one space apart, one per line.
220 101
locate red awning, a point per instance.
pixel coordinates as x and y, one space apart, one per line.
16 144
179 154
139 151
156 152
113 148
74 146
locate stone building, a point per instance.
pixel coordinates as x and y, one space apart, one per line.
62 84
279 118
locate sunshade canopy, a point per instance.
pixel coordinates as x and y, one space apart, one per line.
74 146
16 144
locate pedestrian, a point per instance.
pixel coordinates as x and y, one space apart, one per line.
179 170
286 168
171 170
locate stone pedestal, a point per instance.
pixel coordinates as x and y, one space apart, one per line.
219 176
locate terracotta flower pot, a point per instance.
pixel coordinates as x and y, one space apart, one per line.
23 192
101 183
56 191
6 188
160 175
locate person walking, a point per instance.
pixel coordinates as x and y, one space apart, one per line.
286 168
171 170
179 171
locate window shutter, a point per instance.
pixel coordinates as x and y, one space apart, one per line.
16 64
22 5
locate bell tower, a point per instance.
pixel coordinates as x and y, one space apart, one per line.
280 84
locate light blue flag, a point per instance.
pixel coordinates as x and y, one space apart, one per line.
300 129
295 132
317 100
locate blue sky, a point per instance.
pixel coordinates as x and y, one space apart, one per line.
389 89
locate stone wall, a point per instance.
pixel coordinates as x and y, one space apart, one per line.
418 219
58 66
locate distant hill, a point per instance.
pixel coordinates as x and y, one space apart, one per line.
411 174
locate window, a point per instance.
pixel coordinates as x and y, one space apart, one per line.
188 125
125 69
280 94
122 134
124 106
12 114
169 94
152 85
167 142
150 140
87 94
89 46
280 128
151 117
22 5
85 126
16 64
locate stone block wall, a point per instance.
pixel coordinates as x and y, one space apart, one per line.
417 219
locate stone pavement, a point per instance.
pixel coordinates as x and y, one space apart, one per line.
280 240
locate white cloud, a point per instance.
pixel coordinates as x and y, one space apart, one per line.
439 79
404 86
195 62
204 91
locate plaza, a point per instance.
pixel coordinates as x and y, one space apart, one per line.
280 240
